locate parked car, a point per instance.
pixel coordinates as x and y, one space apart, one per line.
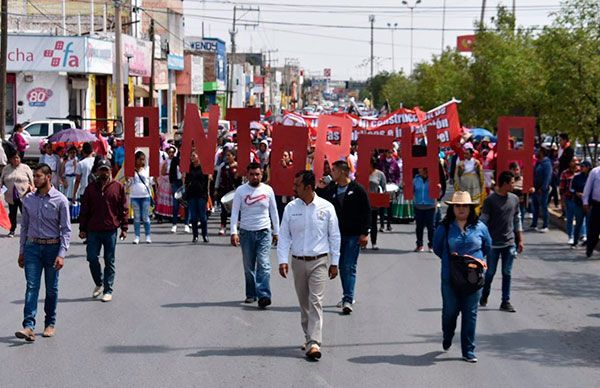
36 131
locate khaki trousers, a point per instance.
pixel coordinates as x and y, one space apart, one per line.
310 278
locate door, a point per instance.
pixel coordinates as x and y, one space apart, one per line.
101 103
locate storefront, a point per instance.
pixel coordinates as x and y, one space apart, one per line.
190 83
213 50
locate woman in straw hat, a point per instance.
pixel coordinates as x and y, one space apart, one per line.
460 232
469 176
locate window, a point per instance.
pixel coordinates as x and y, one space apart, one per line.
38 129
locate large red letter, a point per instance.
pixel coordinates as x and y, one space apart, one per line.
505 152
323 148
366 145
287 138
240 120
204 143
430 161
133 142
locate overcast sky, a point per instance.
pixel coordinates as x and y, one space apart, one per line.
347 50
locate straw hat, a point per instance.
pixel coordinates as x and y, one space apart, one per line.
461 198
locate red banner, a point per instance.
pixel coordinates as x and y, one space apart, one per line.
464 43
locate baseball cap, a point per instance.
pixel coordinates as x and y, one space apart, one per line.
103 163
585 163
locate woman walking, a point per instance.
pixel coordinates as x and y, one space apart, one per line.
462 233
140 194
227 180
67 174
18 178
196 194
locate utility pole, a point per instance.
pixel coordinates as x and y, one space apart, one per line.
92 11
119 61
482 14
151 86
412 30
372 21
3 52
392 27
271 74
443 24
232 32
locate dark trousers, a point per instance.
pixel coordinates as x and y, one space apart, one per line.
593 227
424 219
374 214
12 213
385 211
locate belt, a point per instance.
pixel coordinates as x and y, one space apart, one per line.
309 258
44 241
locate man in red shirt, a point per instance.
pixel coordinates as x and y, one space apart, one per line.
103 210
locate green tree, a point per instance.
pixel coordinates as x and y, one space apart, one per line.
374 88
400 90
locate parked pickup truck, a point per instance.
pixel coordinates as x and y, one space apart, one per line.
36 131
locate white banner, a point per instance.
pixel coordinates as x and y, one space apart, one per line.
197 75
46 53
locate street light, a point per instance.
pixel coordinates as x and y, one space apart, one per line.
392 27
404 2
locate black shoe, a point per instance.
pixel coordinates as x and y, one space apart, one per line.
483 300
264 302
195 240
506 306
588 253
389 228
446 345
205 239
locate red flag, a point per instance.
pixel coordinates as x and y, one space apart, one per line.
4 220
464 43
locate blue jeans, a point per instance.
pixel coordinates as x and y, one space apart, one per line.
95 241
454 303
539 202
424 218
581 220
141 208
197 208
349 251
256 254
40 258
508 257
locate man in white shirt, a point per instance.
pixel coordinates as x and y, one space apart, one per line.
309 229
83 170
256 202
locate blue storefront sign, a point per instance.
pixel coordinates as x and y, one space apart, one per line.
175 62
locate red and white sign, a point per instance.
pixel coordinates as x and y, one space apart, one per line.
38 96
464 43
45 53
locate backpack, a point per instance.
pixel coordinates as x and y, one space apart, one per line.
467 273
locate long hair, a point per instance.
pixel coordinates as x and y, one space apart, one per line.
472 219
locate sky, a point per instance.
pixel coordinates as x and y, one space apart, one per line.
288 27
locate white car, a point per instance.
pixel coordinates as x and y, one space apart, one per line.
36 131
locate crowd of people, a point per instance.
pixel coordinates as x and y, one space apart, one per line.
324 226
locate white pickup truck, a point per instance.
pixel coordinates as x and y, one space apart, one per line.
36 131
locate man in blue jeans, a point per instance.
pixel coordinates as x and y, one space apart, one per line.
45 237
500 212
256 203
542 177
351 203
103 210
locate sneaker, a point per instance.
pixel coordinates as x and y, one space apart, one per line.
446 345
106 297
11 234
506 306
347 308
389 228
430 250
419 249
382 230
543 230
97 291
528 216
263 303
483 301
136 240
250 300
583 239
303 347
571 241
49 332
205 239
471 359
533 227
375 248
148 240
195 240
314 353
27 334
340 304
174 229
222 232
187 229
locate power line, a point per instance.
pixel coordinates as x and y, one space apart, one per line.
48 17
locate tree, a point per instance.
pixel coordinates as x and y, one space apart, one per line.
374 88
400 90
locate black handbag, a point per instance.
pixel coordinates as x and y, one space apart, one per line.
467 273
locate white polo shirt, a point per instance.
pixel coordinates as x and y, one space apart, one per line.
309 230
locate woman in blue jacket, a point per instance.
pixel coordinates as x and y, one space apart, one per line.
460 232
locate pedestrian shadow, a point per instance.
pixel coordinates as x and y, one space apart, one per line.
430 310
14 342
387 251
234 303
61 300
427 359
594 315
564 284
260 351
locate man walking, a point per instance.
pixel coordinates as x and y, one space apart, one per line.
500 212
45 237
309 229
351 203
103 210
256 202
591 205
542 176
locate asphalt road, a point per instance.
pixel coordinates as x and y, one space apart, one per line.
177 320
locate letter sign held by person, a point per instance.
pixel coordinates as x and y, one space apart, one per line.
194 135
133 142
241 118
506 154
430 161
366 145
324 149
293 140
